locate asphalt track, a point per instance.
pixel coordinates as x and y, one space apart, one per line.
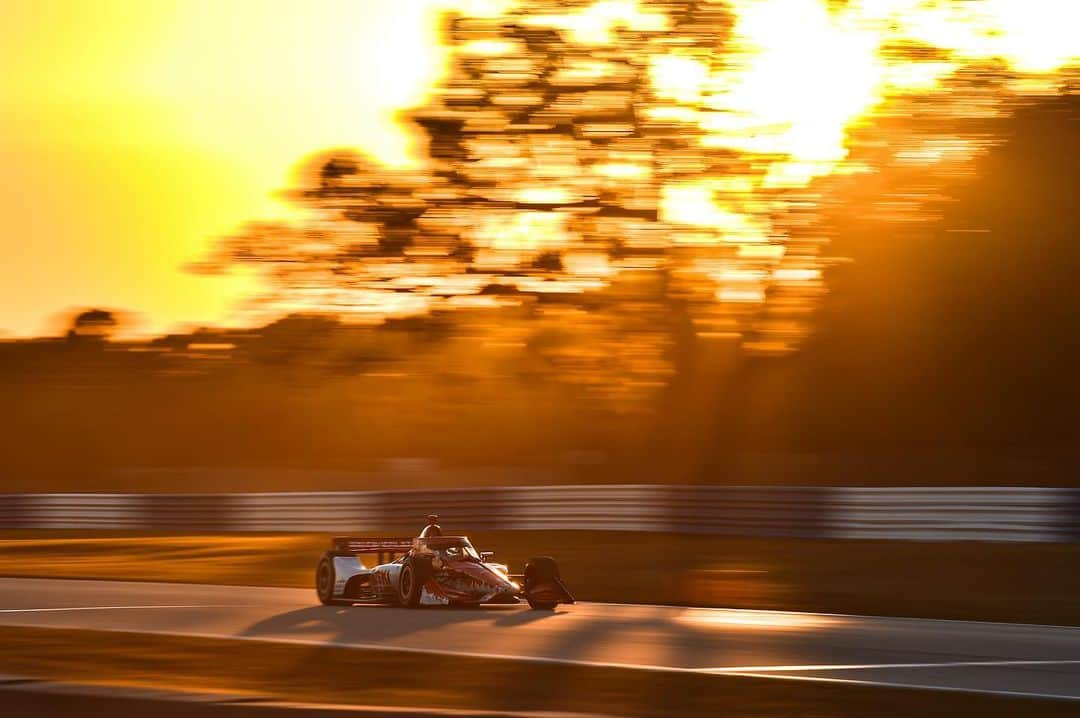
1016 659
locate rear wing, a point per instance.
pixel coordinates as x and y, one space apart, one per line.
381 547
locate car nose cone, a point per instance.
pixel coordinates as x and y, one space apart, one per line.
475 580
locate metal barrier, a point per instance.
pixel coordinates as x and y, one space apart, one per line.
952 514
926 514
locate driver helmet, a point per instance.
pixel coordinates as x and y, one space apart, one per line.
432 528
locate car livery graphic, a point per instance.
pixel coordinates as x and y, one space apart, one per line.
432 571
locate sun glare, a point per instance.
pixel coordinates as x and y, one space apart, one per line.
663 134
702 140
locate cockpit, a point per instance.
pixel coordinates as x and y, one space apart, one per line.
447 548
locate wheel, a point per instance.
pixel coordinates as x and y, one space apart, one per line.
540 570
541 605
324 581
410 584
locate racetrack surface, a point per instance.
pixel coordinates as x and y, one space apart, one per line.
951 655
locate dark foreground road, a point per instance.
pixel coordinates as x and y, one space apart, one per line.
1030 660
34 699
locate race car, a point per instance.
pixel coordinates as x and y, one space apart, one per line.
432 571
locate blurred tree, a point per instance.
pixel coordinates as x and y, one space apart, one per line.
96 324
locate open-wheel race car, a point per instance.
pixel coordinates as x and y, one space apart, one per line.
434 570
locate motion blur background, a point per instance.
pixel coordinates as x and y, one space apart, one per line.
736 308
362 245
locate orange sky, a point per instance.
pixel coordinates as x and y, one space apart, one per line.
133 132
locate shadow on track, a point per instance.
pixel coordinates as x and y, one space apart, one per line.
373 623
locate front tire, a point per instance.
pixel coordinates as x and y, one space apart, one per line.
541 605
540 570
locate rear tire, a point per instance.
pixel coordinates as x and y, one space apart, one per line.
325 578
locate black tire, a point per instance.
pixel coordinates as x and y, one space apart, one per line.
541 569
324 581
411 583
541 605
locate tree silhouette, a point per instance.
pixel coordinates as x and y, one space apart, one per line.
96 324
571 169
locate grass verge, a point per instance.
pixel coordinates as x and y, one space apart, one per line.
336 675
1033 583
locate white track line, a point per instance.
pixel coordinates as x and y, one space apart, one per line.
115 608
872 666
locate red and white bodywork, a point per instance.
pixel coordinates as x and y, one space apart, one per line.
443 570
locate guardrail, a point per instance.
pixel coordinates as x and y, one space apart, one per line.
926 514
